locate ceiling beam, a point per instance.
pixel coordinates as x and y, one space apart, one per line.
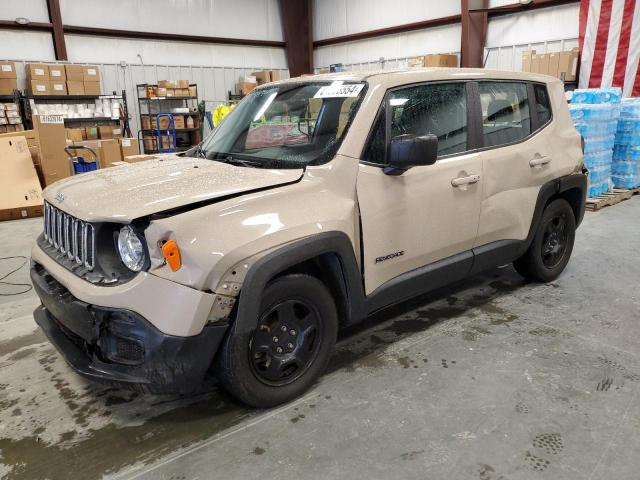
474 33
176 37
407 27
55 17
297 24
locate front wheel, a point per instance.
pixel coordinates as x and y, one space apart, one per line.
289 347
552 244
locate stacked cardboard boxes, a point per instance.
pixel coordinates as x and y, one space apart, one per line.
10 118
169 88
8 78
266 76
563 65
38 79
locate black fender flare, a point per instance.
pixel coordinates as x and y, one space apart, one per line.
292 254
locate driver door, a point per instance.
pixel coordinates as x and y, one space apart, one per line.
429 213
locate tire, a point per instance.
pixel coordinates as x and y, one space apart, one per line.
249 366
551 248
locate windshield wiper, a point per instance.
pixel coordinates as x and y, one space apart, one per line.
227 158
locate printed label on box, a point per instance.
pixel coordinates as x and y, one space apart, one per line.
116 131
91 71
55 73
58 86
39 71
51 119
41 88
125 141
7 68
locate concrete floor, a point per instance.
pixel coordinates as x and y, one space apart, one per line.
493 379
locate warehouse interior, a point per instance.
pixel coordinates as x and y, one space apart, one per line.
107 108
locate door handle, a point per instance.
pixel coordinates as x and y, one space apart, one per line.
539 161
456 182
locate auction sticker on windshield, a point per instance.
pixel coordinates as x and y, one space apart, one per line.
335 91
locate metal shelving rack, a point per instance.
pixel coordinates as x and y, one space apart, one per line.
151 106
75 122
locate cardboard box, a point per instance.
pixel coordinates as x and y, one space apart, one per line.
39 87
164 123
275 75
193 91
37 71
74 73
160 91
91 133
167 142
526 60
57 73
440 60
8 70
8 85
75 87
20 190
58 88
92 88
166 84
543 66
262 77
182 84
246 87
116 132
568 65
14 121
105 131
181 92
178 121
90 73
554 63
146 122
75 134
51 137
11 106
170 92
128 147
149 144
139 158
535 63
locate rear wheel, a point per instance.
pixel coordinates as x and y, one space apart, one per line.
552 244
289 347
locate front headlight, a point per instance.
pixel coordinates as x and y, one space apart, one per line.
131 249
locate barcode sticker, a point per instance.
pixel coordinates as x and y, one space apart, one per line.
7 68
91 71
39 71
58 86
337 91
51 119
126 142
55 73
41 88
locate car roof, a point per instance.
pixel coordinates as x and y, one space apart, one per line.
395 77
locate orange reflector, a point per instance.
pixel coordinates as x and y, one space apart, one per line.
171 254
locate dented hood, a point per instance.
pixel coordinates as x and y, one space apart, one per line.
124 193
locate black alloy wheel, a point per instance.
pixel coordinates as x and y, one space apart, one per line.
554 242
286 342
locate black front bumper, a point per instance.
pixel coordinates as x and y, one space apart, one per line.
119 347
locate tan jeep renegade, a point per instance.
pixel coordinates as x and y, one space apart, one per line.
316 202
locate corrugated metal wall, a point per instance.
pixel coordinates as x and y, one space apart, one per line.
510 57
213 82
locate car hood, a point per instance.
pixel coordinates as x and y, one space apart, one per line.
126 192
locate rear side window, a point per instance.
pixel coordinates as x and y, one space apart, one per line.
505 112
543 106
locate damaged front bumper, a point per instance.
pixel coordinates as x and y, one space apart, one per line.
119 347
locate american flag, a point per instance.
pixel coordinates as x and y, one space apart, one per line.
610 45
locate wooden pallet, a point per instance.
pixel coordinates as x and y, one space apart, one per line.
617 195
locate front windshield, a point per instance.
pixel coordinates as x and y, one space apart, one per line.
286 126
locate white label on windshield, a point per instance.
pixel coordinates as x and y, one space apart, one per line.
336 91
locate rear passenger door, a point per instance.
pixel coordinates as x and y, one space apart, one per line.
515 147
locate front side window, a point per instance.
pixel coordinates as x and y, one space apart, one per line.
286 126
505 112
437 108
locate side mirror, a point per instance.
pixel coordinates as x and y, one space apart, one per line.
406 151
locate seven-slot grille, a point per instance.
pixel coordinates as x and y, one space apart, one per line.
70 236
